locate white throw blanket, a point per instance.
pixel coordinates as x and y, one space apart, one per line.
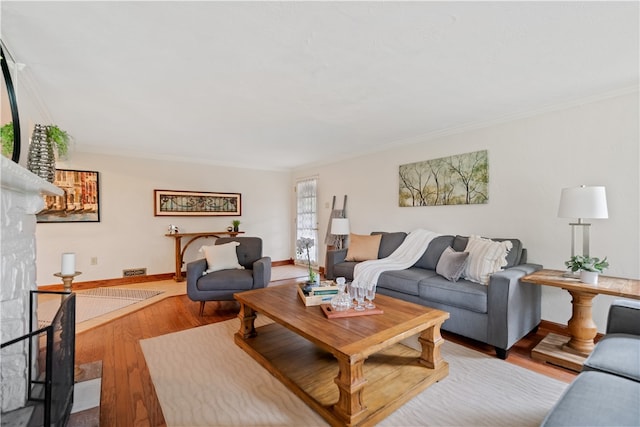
366 273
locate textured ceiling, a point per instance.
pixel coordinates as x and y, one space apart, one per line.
280 85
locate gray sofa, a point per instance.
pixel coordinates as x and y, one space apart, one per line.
499 314
607 391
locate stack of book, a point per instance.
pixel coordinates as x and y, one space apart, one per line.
318 294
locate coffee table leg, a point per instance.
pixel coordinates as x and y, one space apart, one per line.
247 318
431 341
351 382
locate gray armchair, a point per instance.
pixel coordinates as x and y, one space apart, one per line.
618 352
221 285
607 391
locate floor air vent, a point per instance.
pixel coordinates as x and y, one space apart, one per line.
134 272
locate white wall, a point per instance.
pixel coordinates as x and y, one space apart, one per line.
530 161
130 236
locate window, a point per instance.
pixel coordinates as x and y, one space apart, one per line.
307 217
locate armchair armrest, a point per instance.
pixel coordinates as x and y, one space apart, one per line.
624 317
334 256
514 307
194 272
261 272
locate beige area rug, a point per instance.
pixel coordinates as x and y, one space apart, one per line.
292 271
203 379
95 302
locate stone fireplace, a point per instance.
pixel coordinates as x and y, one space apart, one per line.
21 199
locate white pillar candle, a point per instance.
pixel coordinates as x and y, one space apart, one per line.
68 263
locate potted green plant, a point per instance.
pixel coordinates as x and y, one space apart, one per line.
588 267
59 138
6 136
236 225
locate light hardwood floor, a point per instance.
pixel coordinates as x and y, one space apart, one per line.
128 395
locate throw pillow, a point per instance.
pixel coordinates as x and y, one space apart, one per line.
485 258
363 247
221 257
451 264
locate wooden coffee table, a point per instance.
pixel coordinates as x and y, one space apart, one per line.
302 347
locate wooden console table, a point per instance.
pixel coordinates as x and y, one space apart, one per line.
180 250
571 352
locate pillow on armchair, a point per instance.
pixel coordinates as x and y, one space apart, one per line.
221 257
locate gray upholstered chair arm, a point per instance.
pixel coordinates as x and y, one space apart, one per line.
513 306
334 256
624 317
194 272
262 272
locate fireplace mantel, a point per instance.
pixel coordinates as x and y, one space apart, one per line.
16 178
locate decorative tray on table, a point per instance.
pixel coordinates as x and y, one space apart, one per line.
317 295
328 311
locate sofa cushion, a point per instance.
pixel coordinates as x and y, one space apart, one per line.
389 242
405 281
224 280
597 399
617 354
485 258
431 256
462 294
451 264
514 257
221 257
362 247
344 269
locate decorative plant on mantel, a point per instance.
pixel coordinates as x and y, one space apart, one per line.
304 244
588 267
6 136
60 138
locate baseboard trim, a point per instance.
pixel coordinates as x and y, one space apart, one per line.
80 286
558 328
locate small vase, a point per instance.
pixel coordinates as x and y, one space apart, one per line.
41 160
589 277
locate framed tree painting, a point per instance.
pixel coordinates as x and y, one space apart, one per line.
455 180
81 199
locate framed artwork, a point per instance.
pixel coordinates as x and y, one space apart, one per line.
81 199
192 203
455 180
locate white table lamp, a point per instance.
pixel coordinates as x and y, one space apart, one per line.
582 202
340 227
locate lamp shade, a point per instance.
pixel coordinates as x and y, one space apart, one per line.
583 202
340 226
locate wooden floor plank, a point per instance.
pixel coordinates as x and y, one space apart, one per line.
128 396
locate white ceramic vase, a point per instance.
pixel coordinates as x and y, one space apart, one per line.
589 277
